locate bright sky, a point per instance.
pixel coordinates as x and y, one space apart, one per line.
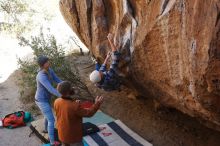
10 50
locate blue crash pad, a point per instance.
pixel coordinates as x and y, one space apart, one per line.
99 118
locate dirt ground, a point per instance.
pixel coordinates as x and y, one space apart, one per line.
9 102
166 127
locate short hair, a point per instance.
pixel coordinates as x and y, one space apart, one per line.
64 87
41 60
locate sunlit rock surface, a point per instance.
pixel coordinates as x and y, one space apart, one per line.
170 48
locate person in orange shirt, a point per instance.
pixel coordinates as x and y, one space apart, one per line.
69 115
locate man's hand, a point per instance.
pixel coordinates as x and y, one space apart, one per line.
110 37
98 100
109 54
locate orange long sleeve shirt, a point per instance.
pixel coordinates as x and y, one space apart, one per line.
69 119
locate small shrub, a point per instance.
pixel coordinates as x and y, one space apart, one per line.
44 45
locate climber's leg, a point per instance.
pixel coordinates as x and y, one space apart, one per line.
115 61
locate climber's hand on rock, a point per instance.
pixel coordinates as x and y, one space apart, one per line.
110 37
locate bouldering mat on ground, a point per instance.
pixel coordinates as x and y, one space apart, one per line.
99 118
115 133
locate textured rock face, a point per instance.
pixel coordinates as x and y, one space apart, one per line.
174 46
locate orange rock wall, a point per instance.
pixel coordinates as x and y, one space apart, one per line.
174 47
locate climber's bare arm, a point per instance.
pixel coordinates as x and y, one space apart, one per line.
110 39
107 58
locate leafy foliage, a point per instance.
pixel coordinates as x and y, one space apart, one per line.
19 16
15 12
45 45
14 7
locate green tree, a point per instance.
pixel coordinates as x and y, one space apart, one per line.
12 12
19 16
45 45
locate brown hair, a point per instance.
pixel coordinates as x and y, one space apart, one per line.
65 88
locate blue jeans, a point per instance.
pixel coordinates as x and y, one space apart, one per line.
48 118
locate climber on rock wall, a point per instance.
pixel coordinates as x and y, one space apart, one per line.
107 79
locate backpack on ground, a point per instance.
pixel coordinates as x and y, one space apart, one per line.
14 120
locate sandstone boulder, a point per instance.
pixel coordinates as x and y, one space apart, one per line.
173 47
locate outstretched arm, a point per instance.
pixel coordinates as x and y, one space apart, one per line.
110 39
92 110
107 58
103 66
113 47
115 56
